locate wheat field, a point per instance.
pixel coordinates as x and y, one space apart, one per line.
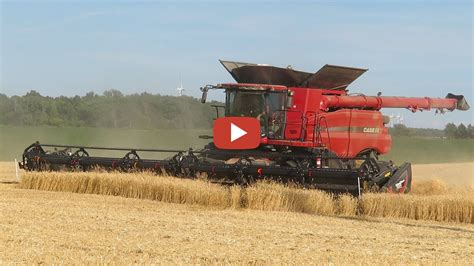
265 224
431 199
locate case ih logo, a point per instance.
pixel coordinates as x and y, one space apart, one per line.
236 133
374 130
371 130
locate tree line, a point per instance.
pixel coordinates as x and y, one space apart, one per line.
451 131
143 111
459 132
111 109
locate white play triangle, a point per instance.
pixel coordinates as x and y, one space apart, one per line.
236 132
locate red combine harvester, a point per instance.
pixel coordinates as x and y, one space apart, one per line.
313 133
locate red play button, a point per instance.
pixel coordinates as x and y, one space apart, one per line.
236 133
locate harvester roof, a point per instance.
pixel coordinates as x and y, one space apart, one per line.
328 77
253 87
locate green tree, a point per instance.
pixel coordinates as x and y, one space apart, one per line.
451 131
113 93
400 130
462 132
470 129
112 109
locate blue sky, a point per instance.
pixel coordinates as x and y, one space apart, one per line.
68 47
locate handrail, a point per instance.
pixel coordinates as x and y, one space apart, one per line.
321 118
314 123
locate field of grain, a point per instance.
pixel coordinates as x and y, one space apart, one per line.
432 199
272 223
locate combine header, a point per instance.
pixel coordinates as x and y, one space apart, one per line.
313 133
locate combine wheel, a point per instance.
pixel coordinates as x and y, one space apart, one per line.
241 178
302 168
174 165
370 153
130 161
76 157
368 170
186 163
39 164
32 158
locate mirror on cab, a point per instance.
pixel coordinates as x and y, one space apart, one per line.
289 100
204 94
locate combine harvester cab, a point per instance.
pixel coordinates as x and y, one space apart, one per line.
313 133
